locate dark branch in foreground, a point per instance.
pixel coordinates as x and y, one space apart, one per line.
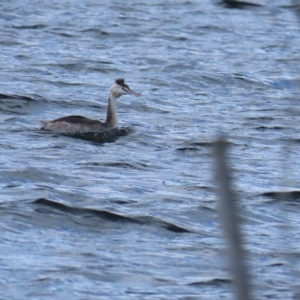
230 222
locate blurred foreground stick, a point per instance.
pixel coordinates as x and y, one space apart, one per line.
296 7
230 221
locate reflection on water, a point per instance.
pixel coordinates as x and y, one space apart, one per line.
103 136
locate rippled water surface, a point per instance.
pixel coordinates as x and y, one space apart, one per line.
132 213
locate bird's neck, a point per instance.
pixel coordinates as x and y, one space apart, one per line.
111 117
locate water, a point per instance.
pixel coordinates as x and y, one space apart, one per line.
133 215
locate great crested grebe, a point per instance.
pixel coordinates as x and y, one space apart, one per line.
78 124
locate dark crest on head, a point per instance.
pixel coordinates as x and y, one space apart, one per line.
121 82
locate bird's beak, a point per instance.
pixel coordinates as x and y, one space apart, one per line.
129 91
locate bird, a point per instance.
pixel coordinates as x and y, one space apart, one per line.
79 124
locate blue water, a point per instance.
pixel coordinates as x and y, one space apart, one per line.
133 214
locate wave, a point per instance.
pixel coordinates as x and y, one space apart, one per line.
284 195
46 206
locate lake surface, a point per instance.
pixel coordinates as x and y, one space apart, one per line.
133 213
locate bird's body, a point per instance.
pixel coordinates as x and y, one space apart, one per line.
74 124
79 124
